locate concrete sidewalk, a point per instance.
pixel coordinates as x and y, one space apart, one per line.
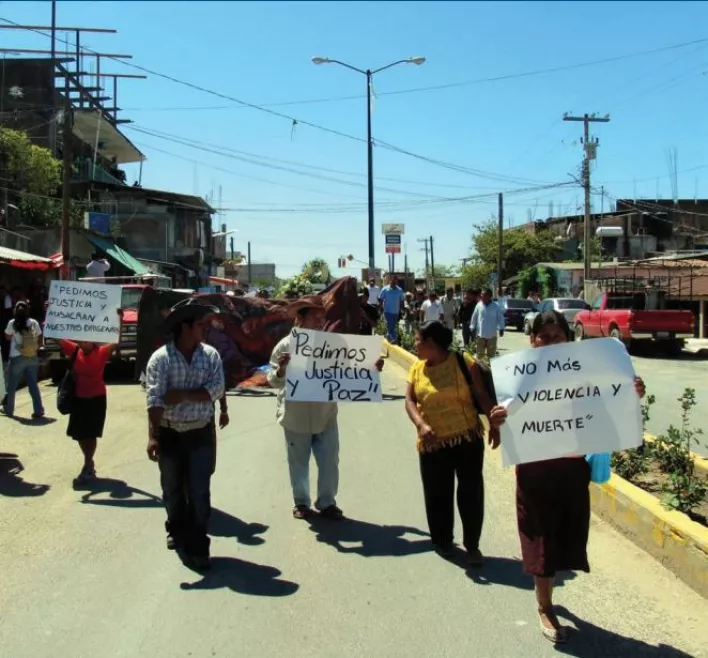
87 573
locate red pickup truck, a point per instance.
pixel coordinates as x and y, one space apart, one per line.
624 316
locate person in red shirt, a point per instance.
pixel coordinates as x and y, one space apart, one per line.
88 411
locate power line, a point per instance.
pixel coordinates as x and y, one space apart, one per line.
161 134
295 121
394 206
249 176
462 83
225 153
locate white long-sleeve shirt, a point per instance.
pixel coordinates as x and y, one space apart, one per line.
487 320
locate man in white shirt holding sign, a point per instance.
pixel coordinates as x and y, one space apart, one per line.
310 427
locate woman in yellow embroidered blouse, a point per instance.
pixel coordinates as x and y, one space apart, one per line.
450 438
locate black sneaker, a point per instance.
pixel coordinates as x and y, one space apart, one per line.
87 475
475 558
446 551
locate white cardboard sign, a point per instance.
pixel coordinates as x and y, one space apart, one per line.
568 399
329 367
83 311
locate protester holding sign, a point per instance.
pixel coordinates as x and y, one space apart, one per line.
552 500
310 427
89 404
79 310
23 334
440 401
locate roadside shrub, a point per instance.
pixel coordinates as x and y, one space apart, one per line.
683 491
630 464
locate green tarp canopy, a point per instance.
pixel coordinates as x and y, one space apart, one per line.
121 255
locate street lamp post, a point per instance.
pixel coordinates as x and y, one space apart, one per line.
369 142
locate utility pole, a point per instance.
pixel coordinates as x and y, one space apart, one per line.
432 261
590 150
66 183
370 173
250 281
232 247
427 266
500 251
405 271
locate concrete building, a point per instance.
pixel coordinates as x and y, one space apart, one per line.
153 230
635 230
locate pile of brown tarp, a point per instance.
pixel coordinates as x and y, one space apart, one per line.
248 328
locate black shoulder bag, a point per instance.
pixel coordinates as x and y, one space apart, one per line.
67 389
486 373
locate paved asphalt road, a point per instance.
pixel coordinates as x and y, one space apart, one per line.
86 574
664 377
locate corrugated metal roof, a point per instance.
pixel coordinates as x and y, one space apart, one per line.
9 255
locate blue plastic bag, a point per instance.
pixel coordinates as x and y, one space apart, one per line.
600 470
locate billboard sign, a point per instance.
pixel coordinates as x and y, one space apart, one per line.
393 243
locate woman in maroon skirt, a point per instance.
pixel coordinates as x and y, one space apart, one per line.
552 502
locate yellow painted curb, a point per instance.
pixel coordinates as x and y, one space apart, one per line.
680 544
701 463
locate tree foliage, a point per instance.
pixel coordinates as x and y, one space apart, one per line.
33 177
295 287
521 251
316 271
441 271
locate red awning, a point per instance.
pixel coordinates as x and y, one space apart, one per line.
25 261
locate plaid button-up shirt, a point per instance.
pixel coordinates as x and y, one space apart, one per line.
168 369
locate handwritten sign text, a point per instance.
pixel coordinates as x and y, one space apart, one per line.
569 399
329 367
83 311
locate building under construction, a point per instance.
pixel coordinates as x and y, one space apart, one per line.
67 102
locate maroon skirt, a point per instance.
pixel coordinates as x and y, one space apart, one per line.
553 515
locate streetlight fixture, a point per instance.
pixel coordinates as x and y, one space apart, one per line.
369 142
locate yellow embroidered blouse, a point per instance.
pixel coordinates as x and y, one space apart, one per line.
445 402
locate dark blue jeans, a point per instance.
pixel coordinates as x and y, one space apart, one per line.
392 326
186 461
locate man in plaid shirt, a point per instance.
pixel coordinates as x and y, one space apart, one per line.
184 380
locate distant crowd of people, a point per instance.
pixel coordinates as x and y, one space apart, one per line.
477 314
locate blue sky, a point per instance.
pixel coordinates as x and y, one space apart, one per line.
509 131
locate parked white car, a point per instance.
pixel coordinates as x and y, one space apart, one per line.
568 306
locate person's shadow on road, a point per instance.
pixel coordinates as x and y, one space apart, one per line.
369 539
504 571
222 524
108 492
243 577
589 641
11 484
